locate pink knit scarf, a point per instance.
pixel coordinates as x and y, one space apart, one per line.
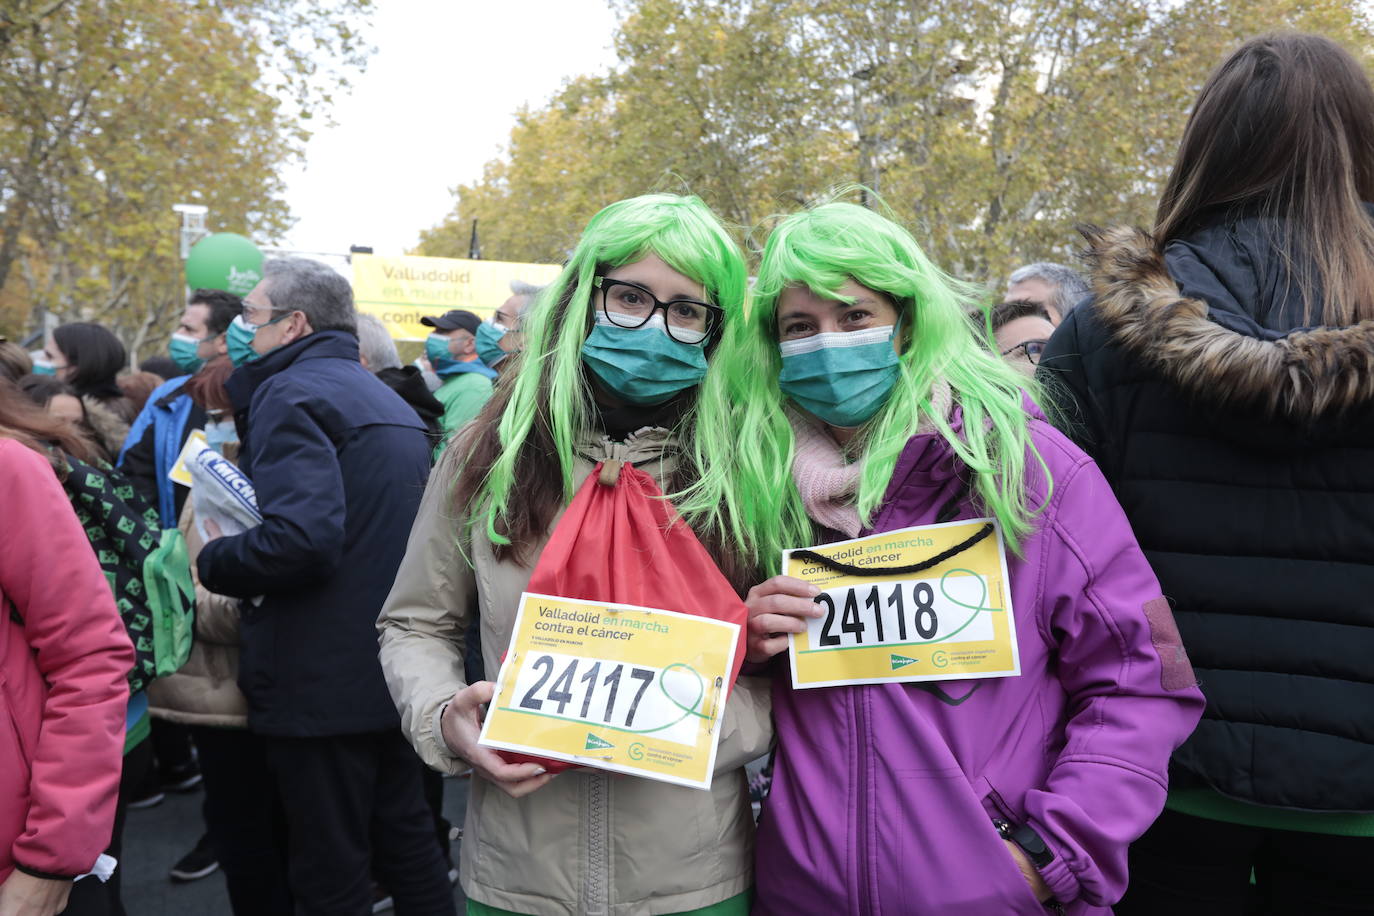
827 480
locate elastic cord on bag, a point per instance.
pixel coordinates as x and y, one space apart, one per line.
811 556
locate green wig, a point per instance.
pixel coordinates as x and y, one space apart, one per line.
820 249
533 421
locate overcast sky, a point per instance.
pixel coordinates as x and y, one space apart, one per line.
434 104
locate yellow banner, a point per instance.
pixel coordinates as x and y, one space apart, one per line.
950 621
629 689
402 290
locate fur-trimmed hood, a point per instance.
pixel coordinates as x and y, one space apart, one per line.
109 422
1301 373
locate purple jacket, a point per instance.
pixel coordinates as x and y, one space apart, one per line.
884 796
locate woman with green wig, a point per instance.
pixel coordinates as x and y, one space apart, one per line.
866 406
617 364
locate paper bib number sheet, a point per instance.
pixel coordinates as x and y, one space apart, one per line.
629 689
950 621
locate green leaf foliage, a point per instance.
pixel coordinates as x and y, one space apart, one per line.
989 128
111 111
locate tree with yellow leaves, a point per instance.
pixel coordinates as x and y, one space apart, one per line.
990 127
111 111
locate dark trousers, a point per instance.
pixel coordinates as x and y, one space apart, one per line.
245 820
355 808
171 747
1191 866
89 897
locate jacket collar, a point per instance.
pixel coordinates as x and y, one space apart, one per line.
246 379
166 395
1303 374
473 365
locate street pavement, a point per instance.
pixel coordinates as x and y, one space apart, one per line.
155 838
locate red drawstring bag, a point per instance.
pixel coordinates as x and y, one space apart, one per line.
621 542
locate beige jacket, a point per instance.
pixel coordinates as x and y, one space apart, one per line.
204 691
589 842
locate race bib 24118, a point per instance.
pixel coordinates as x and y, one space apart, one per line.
921 604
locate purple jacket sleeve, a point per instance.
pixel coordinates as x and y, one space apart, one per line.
1132 695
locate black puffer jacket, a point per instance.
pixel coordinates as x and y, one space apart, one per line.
1242 449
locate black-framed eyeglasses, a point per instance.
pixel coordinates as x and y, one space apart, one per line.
1032 349
629 305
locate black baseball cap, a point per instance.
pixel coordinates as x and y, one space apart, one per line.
453 320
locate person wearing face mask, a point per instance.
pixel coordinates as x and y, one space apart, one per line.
338 462
624 341
500 337
89 357
158 434
150 451
869 405
465 381
244 821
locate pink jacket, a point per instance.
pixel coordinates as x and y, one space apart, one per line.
64 657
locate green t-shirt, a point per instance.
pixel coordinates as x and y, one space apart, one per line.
1214 806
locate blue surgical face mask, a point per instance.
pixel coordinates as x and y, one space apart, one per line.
436 351
488 350
182 348
219 432
42 365
239 340
642 366
843 378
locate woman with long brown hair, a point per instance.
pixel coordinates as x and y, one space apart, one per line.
615 372
1223 379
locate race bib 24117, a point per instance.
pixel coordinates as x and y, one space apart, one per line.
628 689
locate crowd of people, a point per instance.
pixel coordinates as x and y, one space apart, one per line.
1171 445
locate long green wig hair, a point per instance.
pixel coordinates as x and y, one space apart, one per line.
517 468
820 249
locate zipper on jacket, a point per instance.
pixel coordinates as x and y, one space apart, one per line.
596 883
866 904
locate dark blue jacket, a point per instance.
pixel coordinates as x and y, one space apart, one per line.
339 463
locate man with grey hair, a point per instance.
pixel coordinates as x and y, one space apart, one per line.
339 463
375 346
502 335
1056 287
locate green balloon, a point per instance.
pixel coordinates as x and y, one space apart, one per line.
224 261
